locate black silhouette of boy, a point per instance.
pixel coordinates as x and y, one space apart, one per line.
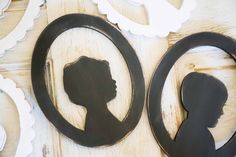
88 82
203 98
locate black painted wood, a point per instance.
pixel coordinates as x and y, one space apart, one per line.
88 82
203 97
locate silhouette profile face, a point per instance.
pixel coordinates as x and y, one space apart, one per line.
88 82
203 97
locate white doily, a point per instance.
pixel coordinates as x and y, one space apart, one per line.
26 119
3 138
4 4
163 17
25 24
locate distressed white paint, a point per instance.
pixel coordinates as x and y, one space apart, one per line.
210 15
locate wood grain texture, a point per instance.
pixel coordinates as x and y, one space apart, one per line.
211 15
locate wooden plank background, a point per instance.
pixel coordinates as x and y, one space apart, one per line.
211 15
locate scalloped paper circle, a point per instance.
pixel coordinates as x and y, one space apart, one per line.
3 138
4 4
26 23
163 17
27 133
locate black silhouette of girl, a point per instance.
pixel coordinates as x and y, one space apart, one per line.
88 82
203 98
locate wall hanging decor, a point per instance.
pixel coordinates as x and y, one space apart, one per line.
163 17
4 4
89 82
203 97
26 23
3 138
26 119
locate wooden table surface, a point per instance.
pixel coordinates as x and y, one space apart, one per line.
209 15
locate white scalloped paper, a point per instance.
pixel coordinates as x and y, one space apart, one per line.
163 17
3 138
4 4
26 23
27 134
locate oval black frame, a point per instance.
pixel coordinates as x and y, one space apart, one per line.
157 83
50 33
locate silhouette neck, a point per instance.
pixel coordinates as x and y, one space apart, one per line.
100 112
96 107
100 120
197 120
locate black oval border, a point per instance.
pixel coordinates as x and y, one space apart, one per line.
157 83
50 33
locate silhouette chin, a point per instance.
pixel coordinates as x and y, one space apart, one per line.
212 125
115 93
